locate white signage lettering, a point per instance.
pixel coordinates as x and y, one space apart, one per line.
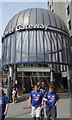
26 27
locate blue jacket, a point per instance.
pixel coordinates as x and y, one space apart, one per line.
3 102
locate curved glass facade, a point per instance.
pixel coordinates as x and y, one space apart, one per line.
36 45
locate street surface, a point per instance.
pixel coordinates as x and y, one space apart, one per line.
21 110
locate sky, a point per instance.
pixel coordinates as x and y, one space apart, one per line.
9 9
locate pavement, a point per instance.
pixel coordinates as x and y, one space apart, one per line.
21 110
64 108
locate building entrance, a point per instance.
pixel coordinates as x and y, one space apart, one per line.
26 80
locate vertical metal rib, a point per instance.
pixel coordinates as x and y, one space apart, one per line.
29 38
16 38
43 35
22 37
36 37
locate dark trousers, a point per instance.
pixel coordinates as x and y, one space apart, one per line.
51 113
42 114
3 117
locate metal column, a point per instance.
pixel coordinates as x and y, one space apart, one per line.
69 82
51 78
14 75
10 84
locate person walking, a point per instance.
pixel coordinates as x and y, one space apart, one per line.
43 90
14 95
51 99
43 86
38 84
35 102
42 107
3 104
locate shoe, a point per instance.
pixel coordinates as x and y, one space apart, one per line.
52 118
13 102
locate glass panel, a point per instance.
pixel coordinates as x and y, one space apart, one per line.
40 47
12 47
59 42
33 48
47 45
60 57
20 19
54 41
51 59
52 19
54 60
39 17
61 68
33 17
25 46
18 47
26 17
8 48
4 51
57 21
14 23
46 17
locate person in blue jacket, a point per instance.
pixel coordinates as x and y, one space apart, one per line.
51 98
35 102
42 90
3 104
43 87
42 108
